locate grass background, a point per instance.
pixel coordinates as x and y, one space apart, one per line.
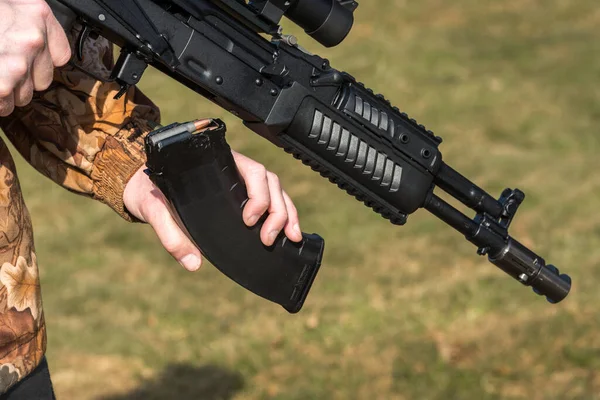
396 313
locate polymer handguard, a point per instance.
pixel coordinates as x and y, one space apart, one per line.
196 172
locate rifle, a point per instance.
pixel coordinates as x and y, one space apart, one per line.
299 102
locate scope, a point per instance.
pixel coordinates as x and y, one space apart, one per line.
326 21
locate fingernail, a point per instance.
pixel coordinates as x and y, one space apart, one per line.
252 220
273 236
297 230
191 262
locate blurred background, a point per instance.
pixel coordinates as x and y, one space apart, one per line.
410 312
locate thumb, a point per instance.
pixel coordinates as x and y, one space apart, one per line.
155 212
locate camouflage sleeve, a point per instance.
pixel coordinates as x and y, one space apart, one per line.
78 135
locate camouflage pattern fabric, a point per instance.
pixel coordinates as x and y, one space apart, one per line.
78 135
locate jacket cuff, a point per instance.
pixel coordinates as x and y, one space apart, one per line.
121 157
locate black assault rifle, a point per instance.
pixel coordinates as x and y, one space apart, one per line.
300 103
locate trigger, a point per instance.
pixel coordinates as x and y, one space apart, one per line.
83 35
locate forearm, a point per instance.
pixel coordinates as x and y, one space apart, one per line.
79 136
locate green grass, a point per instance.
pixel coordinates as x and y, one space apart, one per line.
396 313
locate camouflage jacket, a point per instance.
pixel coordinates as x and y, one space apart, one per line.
78 135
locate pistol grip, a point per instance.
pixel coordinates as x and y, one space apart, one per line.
199 178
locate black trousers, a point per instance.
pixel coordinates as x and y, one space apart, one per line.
35 386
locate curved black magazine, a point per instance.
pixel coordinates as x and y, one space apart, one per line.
198 176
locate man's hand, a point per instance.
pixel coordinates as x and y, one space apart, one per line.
32 43
146 202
